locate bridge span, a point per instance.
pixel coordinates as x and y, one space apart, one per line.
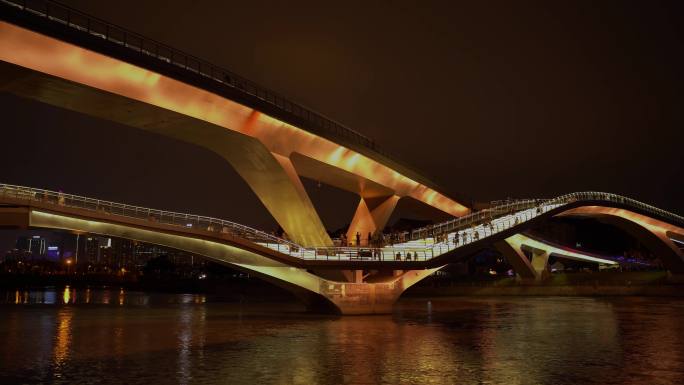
57 55
374 277
60 56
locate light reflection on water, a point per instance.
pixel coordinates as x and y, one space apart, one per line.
92 336
69 295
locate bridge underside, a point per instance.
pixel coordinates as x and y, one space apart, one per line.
367 285
535 267
268 154
653 233
319 294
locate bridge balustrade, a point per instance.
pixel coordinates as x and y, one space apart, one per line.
440 239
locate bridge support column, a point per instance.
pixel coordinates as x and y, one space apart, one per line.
523 267
371 298
356 297
271 177
536 267
371 216
655 234
353 276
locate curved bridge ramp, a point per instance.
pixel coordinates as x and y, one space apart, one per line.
373 277
221 241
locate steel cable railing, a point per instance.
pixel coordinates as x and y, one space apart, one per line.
441 239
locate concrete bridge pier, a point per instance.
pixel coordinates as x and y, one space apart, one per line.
370 217
535 268
357 298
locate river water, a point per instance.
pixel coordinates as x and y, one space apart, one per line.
69 336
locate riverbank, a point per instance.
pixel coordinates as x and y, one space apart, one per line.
547 290
230 290
656 283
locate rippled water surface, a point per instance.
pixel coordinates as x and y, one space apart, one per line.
109 336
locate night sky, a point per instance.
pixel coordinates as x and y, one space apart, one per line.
490 100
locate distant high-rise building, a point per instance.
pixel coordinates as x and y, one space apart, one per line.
33 245
123 251
53 252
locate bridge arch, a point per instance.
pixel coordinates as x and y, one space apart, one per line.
74 68
653 233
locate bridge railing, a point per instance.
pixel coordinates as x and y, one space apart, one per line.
138 44
187 221
473 218
437 241
435 245
610 197
486 215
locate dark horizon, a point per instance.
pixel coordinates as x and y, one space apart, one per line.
541 100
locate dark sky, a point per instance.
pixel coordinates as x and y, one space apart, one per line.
489 99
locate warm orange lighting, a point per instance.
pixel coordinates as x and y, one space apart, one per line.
50 56
67 294
63 336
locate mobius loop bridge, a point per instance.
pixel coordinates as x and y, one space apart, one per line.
420 245
395 266
56 55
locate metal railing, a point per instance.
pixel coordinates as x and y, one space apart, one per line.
440 239
138 44
187 221
510 206
473 218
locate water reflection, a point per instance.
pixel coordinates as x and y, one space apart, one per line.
184 342
153 338
67 295
61 350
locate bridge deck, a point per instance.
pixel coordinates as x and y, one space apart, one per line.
423 248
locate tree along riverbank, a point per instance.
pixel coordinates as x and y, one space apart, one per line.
648 283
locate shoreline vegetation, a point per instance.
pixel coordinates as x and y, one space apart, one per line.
640 283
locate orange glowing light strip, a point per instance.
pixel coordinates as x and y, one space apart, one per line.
57 58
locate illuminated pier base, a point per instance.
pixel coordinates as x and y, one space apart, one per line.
371 298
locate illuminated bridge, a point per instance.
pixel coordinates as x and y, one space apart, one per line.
59 56
372 277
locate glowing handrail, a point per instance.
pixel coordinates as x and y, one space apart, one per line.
474 228
138 212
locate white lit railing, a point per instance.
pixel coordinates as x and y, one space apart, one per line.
188 221
422 245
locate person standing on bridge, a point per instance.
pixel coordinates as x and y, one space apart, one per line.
369 239
358 239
